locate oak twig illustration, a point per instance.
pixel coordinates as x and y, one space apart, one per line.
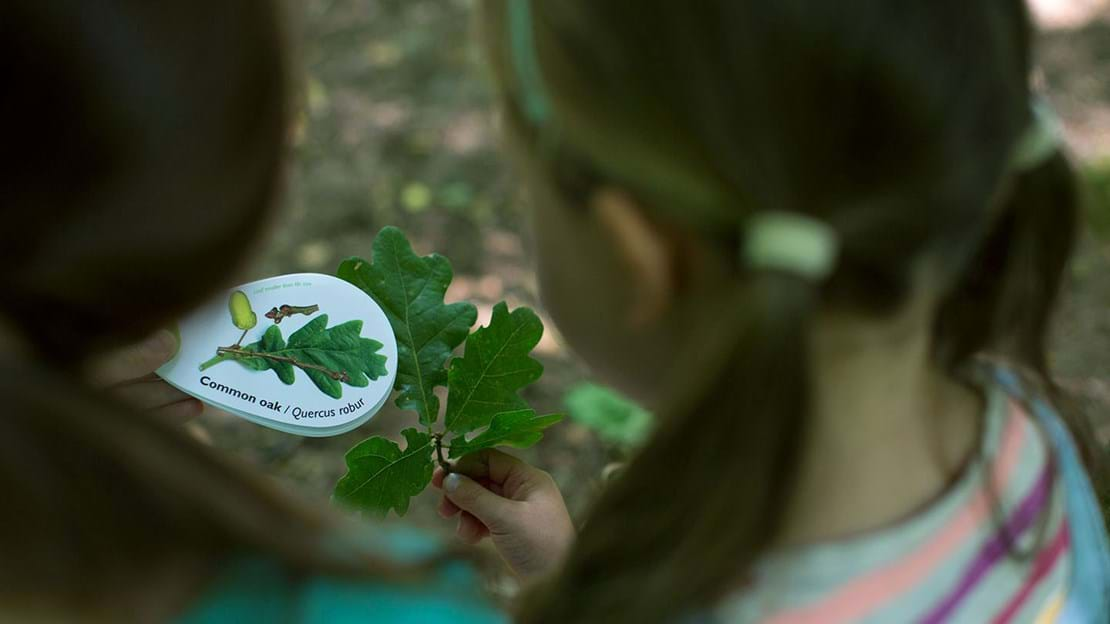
336 375
285 310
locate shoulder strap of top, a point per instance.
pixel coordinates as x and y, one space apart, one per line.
1089 596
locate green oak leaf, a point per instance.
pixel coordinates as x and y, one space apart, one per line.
410 289
496 365
483 384
519 429
341 350
381 477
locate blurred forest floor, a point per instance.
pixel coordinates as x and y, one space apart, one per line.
396 129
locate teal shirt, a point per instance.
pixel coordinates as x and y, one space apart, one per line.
255 589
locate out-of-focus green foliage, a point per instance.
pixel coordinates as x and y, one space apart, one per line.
1096 178
614 418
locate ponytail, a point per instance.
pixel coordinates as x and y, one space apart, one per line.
1003 302
873 134
738 432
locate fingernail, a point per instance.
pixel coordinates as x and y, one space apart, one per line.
176 331
451 482
166 341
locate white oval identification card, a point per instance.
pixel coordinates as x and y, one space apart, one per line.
307 354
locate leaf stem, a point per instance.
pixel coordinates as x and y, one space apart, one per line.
438 439
236 351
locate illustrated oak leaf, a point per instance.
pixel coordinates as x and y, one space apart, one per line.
495 366
410 289
380 476
329 356
272 342
519 429
340 349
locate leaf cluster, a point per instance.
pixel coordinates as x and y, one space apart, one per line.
484 408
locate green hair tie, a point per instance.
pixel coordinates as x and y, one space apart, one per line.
792 243
1040 141
526 63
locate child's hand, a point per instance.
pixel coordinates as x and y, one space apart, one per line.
128 373
516 505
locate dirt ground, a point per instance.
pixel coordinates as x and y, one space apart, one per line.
396 130
1076 69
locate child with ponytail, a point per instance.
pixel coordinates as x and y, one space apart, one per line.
823 241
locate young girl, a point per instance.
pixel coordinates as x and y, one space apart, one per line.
792 227
142 150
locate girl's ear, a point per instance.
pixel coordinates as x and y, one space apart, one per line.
646 250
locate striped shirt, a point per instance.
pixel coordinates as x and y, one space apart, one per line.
952 562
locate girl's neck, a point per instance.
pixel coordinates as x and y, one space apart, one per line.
889 431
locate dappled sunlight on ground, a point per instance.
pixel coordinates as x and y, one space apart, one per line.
1074 54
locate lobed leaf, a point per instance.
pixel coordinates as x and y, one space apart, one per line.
496 365
482 386
381 477
341 348
272 342
410 289
519 429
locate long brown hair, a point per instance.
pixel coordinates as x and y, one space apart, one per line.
894 122
143 153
